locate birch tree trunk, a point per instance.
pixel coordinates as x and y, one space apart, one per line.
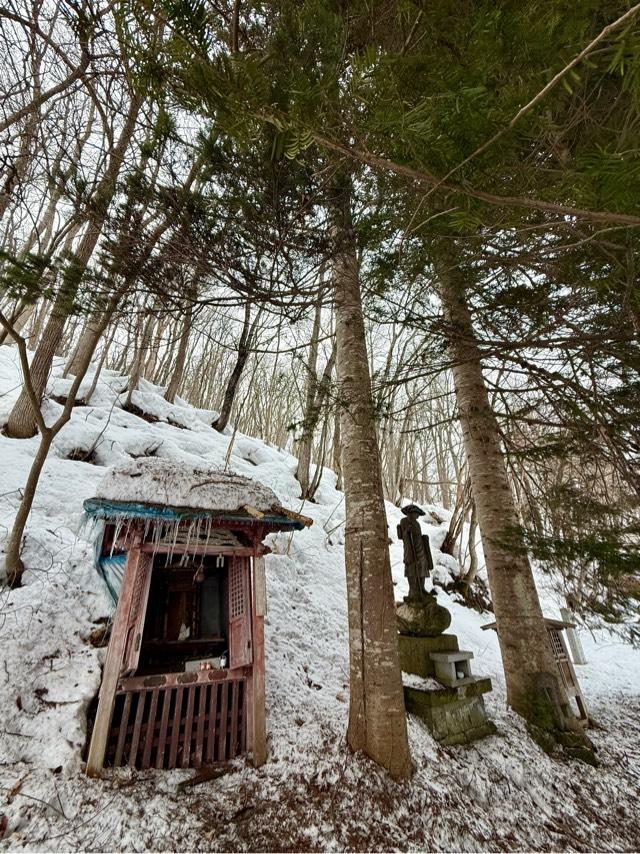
377 718
533 687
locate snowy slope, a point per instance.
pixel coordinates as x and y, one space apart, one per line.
501 793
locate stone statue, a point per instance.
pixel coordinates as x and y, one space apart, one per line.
418 562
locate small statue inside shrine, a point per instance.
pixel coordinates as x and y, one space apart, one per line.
418 561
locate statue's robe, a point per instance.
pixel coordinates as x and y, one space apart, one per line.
418 562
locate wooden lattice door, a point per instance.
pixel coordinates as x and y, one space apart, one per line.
137 613
240 652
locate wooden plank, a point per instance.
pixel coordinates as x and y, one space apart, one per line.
253 511
197 549
122 732
233 743
259 587
164 723
256 712
202 711
291 514
222 732
243 716
211 729
138 683
151 729
115 653
137 613
175 730
239 613
188 726
137 727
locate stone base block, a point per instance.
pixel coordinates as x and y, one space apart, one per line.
415 652
453 715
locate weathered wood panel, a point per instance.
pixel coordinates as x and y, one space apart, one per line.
179 726
240 652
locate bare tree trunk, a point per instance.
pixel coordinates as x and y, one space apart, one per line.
141 351
315 401
534 689
22 421
15 317
16 171
103 358
311 416
470 575
13 563
181 358
244 348
337 451
155 342
38 322
377 718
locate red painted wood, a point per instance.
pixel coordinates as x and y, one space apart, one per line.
137 728
206 723
243 718
256 713
150 730
188 726
137 612
195 549
122 731
139 683
164 723
222 731
212 729
175 729
202 711
239 611
233 744
115 655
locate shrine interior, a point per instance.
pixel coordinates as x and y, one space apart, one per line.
186 619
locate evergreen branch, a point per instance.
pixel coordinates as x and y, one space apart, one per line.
377 162
544 91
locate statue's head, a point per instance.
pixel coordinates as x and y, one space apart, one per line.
413 510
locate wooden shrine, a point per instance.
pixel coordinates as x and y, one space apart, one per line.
564 664
181 550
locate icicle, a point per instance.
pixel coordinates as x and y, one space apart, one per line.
199 531
116 534
208 530
188 540
176 525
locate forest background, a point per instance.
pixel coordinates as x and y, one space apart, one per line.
214 196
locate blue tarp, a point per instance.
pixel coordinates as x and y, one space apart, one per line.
111 568
102 509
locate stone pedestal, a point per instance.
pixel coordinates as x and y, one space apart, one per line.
454 713
415 653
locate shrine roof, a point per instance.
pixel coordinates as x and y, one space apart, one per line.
549 621
163 489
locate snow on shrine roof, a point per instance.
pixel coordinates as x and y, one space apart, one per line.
164 482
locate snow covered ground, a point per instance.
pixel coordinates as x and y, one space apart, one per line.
501 793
